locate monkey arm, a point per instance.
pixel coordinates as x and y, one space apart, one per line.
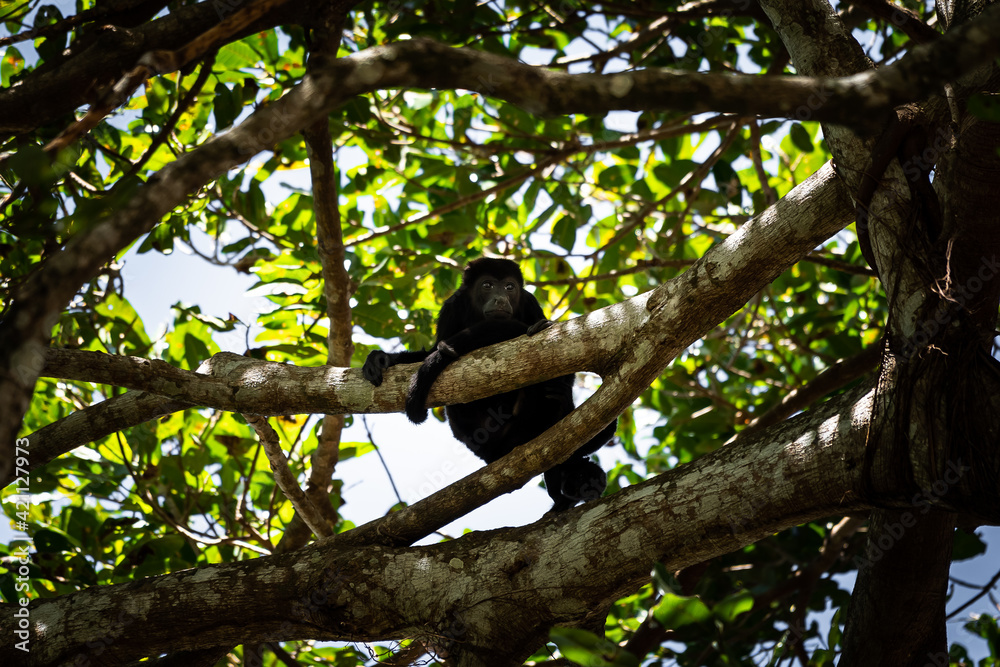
471 338
378 361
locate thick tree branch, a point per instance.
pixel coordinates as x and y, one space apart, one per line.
851 100
97 59
336 590
926 439
725 278
420 63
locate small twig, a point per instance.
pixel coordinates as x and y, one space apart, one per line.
364 420
461 201
159 62
641 265
94 14
284 478
983 591
906 20
839 265
168 127
688 183
758 163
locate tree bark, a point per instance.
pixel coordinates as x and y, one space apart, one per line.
563 570
923 441
906 568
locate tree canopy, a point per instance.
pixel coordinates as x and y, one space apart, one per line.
769 233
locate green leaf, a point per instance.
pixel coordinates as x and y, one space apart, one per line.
33 165
801 139
51 540
235 55
564 232
966 545
675 612
823 657
588 650
350 450
228 104
728 609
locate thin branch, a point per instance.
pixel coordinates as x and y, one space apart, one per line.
905 19
839 265
168 127
285 479
640 266
462 201
691 181
770 196
831 379
985 589
364 420
102 11
159 62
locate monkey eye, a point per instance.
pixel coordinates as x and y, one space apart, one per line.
510 287
487 284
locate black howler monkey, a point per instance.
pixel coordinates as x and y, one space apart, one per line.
492 306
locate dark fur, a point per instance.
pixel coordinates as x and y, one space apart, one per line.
491 427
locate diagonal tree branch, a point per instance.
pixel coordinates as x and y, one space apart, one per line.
334 589
421 63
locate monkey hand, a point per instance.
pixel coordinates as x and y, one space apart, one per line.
376 362
540 325
447 351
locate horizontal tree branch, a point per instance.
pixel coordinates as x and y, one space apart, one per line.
831 379
93 423
338 589
425 64
721 282
100 56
